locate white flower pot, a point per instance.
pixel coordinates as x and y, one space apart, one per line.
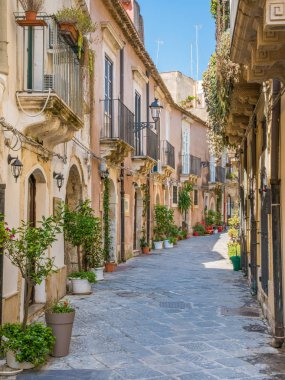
81 286
167 245
99 273
158 244
13 363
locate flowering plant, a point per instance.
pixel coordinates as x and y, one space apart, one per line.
61 307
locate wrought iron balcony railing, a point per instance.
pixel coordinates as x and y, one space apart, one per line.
191 165
220 174
118 122
51 64
146 142
168 154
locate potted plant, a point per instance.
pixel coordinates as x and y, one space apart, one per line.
144 245
170 243
81 282
184 200
26 348
94 250
79 226
74 24
26 248
199 229
158 241
31 8
59 317
161 220
218 221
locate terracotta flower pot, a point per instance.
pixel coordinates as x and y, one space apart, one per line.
70 29
145 250
110 267
31 15
220 229
61 325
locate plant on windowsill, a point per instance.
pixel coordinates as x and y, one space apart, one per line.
32 8
60 317
26 248
110 264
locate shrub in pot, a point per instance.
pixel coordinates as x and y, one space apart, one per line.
81 282
158 241
144 245
94 250
169 243
27 348
199 229
60 317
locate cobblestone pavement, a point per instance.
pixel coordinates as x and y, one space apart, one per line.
170 315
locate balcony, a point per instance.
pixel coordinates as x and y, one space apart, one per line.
117 132
51 82
146 146
191 166
220 174
168 155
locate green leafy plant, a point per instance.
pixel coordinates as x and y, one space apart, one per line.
184 200
79 228
143 242
83 24
26 248
90 276
218 218
233 249
172 240
199 228
107 221
61 307
94 246
31 345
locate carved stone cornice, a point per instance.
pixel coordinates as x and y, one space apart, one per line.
114 150
55 125
143 164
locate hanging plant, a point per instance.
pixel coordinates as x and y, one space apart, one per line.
107 220
32 7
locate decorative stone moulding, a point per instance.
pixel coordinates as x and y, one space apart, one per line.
274 15
143 165
55 125
114 150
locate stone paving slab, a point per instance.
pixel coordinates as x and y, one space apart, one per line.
159 317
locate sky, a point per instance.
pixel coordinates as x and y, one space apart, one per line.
173 22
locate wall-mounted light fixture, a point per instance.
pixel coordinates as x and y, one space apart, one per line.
155 109
16 166
104 172
59 179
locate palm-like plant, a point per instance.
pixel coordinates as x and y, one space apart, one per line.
32 5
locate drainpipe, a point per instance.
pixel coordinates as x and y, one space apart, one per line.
122 173
4 68
2 212
148 174
278 329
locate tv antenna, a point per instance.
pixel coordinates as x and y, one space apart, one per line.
159 42
197 27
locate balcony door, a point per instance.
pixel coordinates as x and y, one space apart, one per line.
185 155
138 133
108 95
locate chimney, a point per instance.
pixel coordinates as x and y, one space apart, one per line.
133 10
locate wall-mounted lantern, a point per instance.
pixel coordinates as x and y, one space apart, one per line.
16 166
59 179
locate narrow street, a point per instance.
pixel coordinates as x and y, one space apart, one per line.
179 314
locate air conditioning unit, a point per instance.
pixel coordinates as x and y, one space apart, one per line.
48 82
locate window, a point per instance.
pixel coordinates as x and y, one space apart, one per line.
196 198
174 195
138 134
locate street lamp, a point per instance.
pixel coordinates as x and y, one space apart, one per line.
155 108
104 172
16 166
59 179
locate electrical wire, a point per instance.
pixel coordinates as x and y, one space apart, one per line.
36 114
